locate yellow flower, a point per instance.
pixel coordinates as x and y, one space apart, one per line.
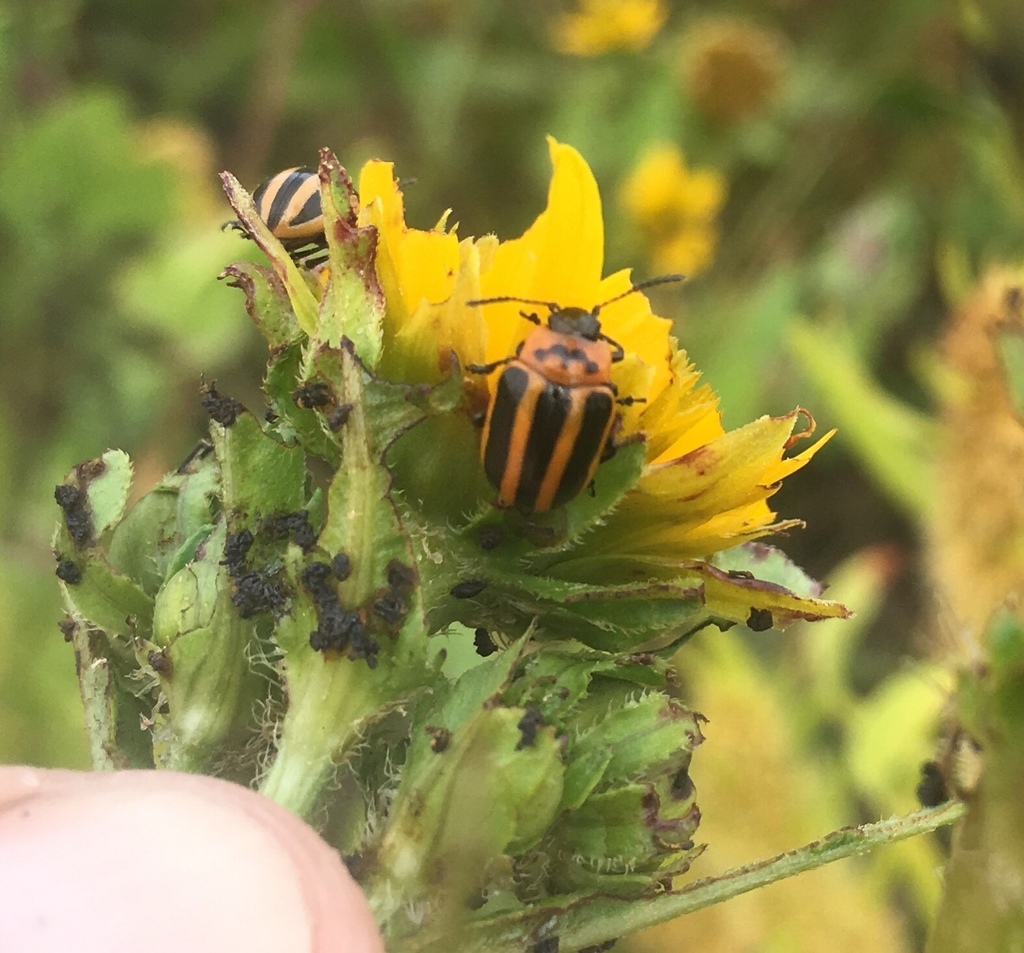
702 489
600 26
675 209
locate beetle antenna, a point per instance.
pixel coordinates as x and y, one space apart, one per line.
551 305
649 283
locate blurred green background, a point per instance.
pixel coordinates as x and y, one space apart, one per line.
833 176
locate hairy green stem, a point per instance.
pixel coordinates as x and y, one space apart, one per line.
587 924
325 719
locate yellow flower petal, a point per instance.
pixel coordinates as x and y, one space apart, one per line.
417 271
708 499
558 259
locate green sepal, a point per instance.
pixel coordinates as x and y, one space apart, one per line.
618 834
558 680
392 408
162 530
108 600
611 618
361 519
294 424
188 549
200 652
487 793
260 476
335 694
742 595
113 712
449 706
107 490
93 589
646 738
266 302
353 304
767 564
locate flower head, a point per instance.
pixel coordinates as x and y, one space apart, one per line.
600 26
732 69
675 208
701 489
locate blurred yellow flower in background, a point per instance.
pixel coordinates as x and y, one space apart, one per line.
732 69
601 26
675 208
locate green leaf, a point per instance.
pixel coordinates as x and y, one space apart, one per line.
260 476
266 301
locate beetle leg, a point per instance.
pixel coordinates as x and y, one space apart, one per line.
532 318
629 401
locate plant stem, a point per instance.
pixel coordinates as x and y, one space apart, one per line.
583 924
332 705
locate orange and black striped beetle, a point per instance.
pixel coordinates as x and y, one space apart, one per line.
289 203
550 419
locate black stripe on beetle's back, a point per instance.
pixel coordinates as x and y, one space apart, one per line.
310 211
550 414
597 411
284 195
511 387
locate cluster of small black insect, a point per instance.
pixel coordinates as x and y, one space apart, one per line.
254 591
318 395
222 410
311 395
294 526
338 629
74 504
77 514
532 720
